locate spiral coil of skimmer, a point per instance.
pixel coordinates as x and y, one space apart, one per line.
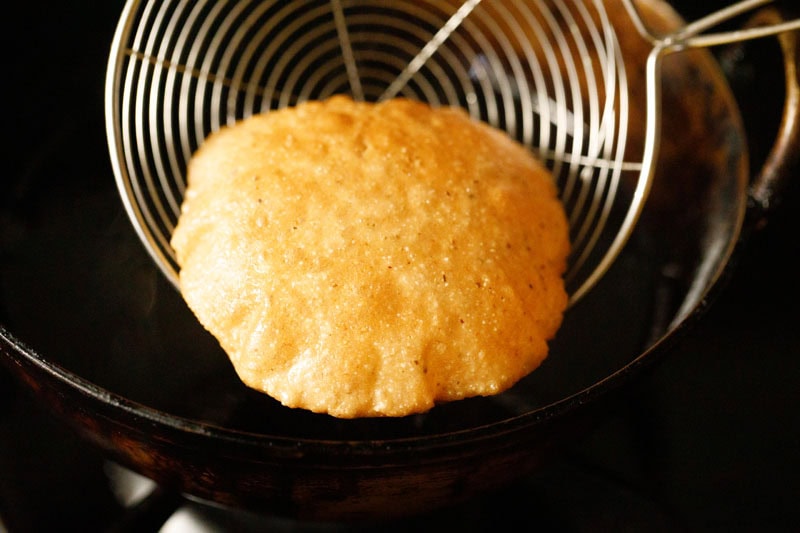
180 70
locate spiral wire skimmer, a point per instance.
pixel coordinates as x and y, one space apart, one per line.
551 73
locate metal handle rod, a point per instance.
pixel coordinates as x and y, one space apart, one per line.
690 36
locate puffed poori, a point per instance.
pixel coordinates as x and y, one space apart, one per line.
372 259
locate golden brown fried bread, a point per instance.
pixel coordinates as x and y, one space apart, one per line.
366 259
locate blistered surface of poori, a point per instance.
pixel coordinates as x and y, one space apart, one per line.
366 259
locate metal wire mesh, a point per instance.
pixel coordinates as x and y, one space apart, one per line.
550 73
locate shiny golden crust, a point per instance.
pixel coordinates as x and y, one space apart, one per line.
372 259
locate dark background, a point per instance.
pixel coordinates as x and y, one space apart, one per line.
721 449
